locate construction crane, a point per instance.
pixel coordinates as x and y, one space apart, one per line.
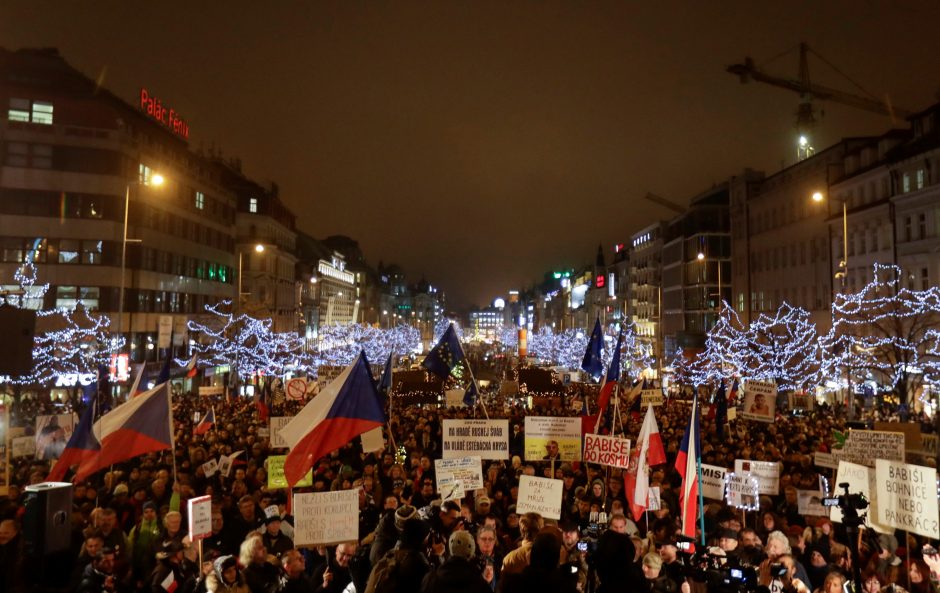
805 114
664 202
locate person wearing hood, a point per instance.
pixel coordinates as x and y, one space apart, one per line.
225 577
457 574
144 538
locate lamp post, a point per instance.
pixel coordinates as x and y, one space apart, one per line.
155 180
259 248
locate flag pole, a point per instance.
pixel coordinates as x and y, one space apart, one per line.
473 379
698 471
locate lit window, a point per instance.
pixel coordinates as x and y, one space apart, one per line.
921 178
200 200
42 112
145 175
253 205
66 297
906 183
91 252
19 110
70 251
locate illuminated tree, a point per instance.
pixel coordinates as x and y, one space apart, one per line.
441 326
784 349
885 331
339 345
725 349
248 345
67 342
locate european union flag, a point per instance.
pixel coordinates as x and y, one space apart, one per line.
445 355
471 394
592 363
385 382
721 411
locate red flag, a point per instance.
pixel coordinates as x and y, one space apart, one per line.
648 452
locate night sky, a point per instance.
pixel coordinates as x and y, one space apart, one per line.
483 143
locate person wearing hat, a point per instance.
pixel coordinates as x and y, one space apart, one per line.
656 582
226 577
387 531
172 572
142 542
483 505
728 541
274 540
126 513
457 574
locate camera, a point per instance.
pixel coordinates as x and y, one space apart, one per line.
850 504
723 574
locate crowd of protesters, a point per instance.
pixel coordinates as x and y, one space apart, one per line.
129 526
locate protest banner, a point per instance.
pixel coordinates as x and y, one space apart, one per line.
766 472
542 432
264 432
861 480
911 430
275 424
713 482
456 476
207 390
225 465
199 517
326 518
210 467
907 497
863 447
22 447
827 460
809 503
651 397
540 495
742 491
760 398
488 439
606 450
276 479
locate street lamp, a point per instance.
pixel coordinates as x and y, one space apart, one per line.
155 180
701 257
259 248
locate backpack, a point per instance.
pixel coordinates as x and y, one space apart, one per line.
384 576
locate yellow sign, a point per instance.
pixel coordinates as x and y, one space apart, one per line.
276 479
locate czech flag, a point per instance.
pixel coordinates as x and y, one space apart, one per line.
142 425
648 452
207 422
344 409
687 466
82 446
261 401
733 394
191 368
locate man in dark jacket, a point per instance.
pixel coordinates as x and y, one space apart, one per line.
333 575
457 574
99 576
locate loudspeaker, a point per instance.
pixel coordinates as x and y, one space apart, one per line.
16 347
47 522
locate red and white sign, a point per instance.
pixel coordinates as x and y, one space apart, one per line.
297 389
200 517
167 116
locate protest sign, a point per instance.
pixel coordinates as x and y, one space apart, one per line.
23 446
911 432
372 440
766 472
264 432
276 478
928 444
207 390
487 438
907 497
296 389
606 450
651 397
276 423
540 495
546 433
210 467
863 447
653 499
453 398
52 434
326 518
713 482
801 401
458 475
225 465
199 517
760 398
742 491
809 503
823 459
861 480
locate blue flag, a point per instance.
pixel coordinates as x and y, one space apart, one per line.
445 355
385 382
165 371
471 394
592 363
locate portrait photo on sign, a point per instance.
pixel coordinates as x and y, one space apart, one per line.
758 406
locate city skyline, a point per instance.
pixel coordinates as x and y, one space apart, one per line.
514 139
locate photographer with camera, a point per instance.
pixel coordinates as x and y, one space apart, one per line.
779 575
575 551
